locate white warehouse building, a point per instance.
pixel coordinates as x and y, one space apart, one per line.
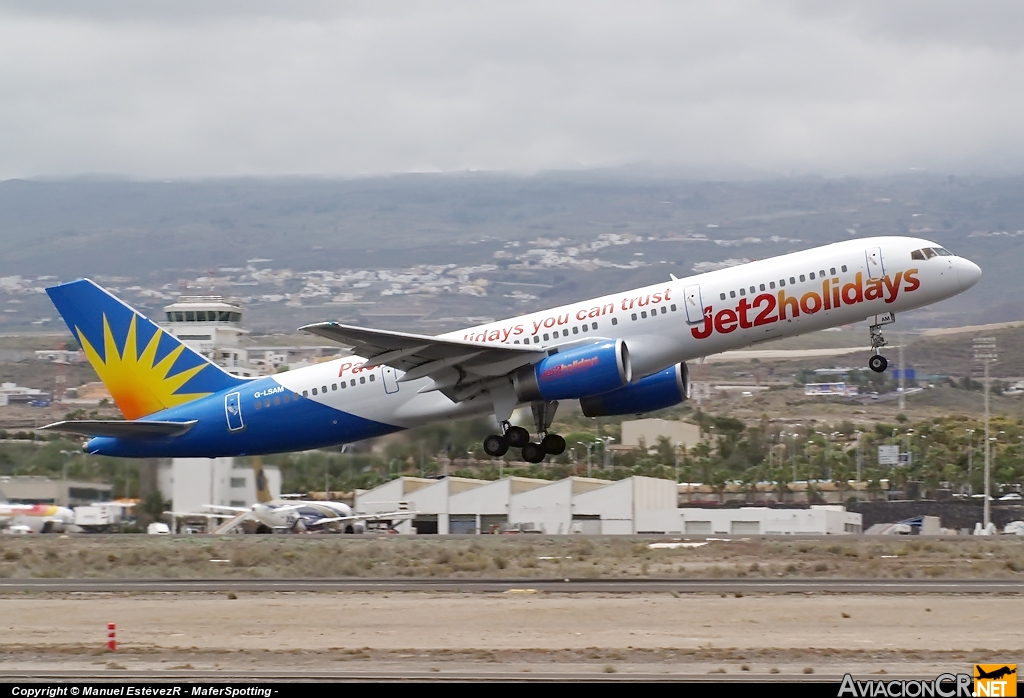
580 505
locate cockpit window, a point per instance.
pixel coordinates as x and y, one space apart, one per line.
929 252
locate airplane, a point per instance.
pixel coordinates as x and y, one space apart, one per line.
995 674
623 353
291 515
35 518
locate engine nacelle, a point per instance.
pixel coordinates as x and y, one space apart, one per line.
588 370
655 392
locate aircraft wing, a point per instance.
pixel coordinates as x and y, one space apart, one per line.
121 429
448 361
238 510
386 516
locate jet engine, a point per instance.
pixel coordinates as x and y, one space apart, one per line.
655 392
586 370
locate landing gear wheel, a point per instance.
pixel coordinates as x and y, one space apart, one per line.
517 437
877 363
553 444
495 446
533 453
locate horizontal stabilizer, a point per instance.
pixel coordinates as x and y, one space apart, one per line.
120 429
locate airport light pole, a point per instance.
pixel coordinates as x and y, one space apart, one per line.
970 459
588 446
607 440
985 352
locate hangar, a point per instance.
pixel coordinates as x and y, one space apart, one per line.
580 505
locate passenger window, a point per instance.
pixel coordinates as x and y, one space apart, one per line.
663 310
575 330
832 271
843 267
277 399
565 333
515 341
771 284
673 310
287 397
373 377
792 280
343 386
323 389
258 404
782 282
314 391
743 291
722 296
634 316
753 290
334 386
546 336
803 278
812 276
585 328
643 313
732 294
266 403
615 321
362 379
352 382
821 273
917 254
762 287
593 325
536 339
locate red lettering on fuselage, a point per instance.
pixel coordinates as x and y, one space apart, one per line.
833 295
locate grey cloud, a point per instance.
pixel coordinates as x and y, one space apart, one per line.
218 89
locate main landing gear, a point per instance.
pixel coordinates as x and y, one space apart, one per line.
877 363
518 437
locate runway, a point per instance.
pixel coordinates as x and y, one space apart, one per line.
564 586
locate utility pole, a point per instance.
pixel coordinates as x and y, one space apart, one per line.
903 376
970 460
985 352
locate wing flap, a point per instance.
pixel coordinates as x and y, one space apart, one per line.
422 356
120 429
405 351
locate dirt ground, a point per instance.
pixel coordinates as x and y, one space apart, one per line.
794 634
166 557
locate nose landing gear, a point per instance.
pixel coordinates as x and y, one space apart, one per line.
878 363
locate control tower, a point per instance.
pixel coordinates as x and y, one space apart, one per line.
211 325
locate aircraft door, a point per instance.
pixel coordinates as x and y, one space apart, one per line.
694 304
875 267
390 378
233 411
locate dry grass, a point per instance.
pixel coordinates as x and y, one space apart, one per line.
129 556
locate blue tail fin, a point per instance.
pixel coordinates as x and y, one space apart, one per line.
144 368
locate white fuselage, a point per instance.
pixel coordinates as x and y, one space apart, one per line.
675 321
38 518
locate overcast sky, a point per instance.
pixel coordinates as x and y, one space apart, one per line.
178 88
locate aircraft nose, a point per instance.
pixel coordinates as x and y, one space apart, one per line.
968 272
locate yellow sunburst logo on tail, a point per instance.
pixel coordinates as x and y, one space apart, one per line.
138 386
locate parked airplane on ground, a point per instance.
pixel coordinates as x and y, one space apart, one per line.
35 518
290 515
624 353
